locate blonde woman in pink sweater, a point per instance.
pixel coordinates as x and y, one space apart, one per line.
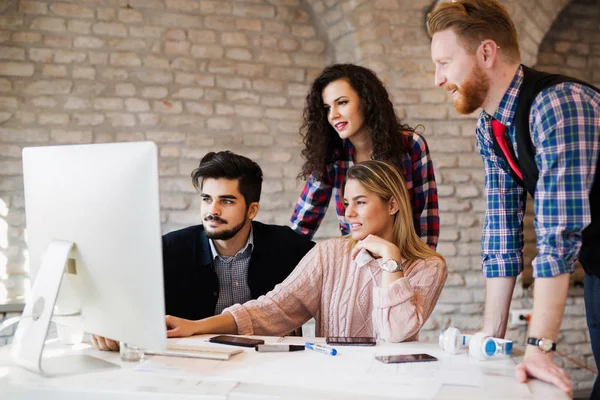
388 291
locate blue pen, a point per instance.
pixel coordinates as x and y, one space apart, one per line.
321 348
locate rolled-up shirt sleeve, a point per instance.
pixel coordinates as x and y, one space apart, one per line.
312 204
565 135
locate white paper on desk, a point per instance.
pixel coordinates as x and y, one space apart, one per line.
509 387
253 391
461 377
180 367
125 382
178 385
354 370
344 373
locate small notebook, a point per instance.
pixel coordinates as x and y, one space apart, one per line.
189 350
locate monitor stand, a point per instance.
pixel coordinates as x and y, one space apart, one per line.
32 331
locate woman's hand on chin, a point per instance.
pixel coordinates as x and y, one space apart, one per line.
179 327
378 247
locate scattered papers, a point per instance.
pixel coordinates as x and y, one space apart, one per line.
352 374
354 370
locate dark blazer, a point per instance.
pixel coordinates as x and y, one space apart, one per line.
191 284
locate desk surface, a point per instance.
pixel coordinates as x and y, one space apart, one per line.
352 374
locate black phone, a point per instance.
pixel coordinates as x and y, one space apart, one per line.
351 341
236 341
405 358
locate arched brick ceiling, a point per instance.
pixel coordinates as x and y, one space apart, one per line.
344 22
533 19
338 20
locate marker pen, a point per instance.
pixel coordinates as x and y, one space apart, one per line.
271 348
321 348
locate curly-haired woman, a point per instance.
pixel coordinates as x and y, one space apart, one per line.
349 118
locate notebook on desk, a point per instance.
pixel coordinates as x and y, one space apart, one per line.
188 349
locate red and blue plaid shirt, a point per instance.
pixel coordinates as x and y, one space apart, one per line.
417 169
564 123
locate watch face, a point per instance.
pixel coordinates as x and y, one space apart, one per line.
545 345
390 266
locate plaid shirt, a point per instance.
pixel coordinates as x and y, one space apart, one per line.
232 272
420 181
565 130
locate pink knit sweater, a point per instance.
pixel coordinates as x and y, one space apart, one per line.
344 299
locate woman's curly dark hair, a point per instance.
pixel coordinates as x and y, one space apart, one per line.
323 144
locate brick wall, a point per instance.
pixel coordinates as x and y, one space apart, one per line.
198 75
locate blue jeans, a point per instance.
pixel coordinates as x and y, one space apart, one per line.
591 295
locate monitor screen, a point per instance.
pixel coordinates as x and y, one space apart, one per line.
104 198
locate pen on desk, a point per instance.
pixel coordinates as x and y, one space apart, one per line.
272 348
321 348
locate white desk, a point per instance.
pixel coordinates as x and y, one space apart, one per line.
352 374
10 306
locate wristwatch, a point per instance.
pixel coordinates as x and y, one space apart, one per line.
544 344
391 266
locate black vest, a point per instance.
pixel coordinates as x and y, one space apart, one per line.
533 83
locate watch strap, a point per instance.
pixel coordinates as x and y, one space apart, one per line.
536 342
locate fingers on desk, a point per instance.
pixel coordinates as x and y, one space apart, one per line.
103 343
548 372
560 378
173 326
175 332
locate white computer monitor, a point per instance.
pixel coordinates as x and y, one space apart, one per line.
93 223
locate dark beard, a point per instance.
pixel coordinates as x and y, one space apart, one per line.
226 235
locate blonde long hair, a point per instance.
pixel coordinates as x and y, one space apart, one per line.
384 180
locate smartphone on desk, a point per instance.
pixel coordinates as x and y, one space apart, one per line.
351 341
405 358
236 341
